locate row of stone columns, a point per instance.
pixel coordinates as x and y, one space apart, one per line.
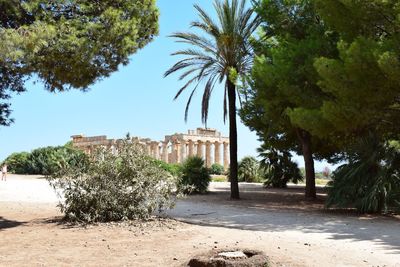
178 152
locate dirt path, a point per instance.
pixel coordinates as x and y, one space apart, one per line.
30 234
336 240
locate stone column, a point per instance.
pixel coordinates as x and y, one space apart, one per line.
178 157
148 149
191 148
226 155
200 149
183 151
172 156
217 152
156 150
208 154
152 150
165 152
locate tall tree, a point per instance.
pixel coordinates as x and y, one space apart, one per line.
68 43
285 81
363 82
223 52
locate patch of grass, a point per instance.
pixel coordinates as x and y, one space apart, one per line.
218 178
319 181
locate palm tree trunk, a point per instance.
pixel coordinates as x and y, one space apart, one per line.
233 175
305 140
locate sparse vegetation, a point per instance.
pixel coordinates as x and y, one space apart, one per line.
175 169
370 182
278 168
114 187
195 176
219 178
46 161
217 169
222 53
249 170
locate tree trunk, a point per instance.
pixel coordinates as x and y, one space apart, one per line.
233 140
305 140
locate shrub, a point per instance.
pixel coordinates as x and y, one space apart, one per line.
173 168
278 167
370 181
45 161
195 176
18 163
115 187
217 169
249 170
49 160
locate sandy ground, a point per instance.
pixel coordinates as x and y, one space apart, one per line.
296 233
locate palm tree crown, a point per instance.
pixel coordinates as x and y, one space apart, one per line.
212 59
225 50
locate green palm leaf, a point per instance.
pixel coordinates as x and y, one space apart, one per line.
217 47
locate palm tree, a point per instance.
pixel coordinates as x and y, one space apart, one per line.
225 51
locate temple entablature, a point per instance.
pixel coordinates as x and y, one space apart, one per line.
208 144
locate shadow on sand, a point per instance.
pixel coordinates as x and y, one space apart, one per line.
286 210
6 224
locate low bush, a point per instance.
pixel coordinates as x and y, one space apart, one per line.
195 177
123 186
18 163
370 181
249 170
219 178
174 169
217 169
278 168
45 161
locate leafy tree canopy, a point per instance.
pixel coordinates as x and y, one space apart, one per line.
285 82
68 43
284 78
363 83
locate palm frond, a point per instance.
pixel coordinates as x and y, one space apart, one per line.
225 45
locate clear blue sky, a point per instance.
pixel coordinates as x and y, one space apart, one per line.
136 99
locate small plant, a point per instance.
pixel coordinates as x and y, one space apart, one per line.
217 169
249 170
219 178
279 169
114 187
18 163
370 181
46 160
195 176
174 169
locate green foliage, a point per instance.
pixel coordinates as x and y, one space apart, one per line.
46 161
18 163
115 187
249 170
69 43
218 178
49 160
279 169
217 169
174 169
285 83
370 181
221 54
363 80
195 177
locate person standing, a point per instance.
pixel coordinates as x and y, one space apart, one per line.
4 172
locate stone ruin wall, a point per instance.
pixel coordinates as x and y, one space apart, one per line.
208 144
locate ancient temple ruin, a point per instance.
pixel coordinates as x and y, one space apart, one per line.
208 144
